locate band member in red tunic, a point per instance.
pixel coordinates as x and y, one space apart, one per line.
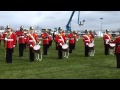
60 43
76 37
21 41
106 37
10 41
32 39
87 41
25 38
117 50
50 39
56 41
71 41
45 38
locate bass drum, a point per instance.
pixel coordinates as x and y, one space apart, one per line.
36 49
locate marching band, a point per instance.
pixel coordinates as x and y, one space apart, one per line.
65 43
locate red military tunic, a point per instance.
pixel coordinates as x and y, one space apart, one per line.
91 37
107 38
45 38
86 39
25 38
60 41
117 47
71 38
76 37
32 39
50 38
10 40
21 37
4 34
1 36
64 36
56 38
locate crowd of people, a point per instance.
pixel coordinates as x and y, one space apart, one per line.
28 38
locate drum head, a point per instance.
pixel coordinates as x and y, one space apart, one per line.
91 45
112 44
65 46
36 47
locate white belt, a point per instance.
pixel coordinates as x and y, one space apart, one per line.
21 36
31 41
45 39
87 40
71 38
9 39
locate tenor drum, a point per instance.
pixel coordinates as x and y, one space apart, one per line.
36 48
65 47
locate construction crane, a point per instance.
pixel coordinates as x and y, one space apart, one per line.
68 26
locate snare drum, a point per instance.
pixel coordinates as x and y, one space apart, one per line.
36 48
91 46
64 46
112 45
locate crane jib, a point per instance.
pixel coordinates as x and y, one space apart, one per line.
68 26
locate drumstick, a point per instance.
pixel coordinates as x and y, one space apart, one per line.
39 43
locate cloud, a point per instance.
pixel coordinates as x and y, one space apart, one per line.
51 19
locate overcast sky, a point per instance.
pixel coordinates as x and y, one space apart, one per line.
52 19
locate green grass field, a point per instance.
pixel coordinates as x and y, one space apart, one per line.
75 67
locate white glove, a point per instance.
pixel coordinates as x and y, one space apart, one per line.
86 43
13 45
5 39
31 46
39 42
60 44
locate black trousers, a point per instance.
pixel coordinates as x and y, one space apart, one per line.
9 52
31 54
118 60
71 47
106 49
45 48
59 52
25 46
74 46
50 43
86 51
21 49
56 45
